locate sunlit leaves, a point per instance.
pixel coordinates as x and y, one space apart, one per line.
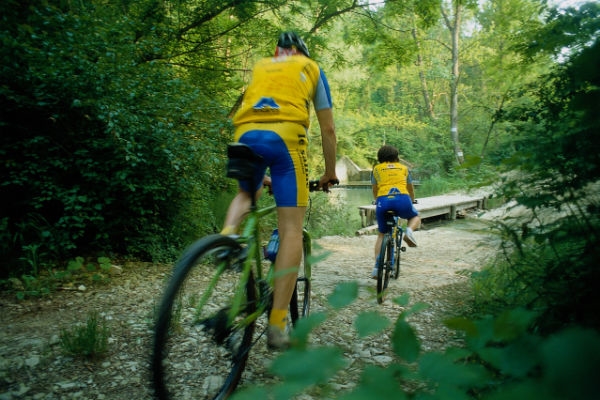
368 323
344 294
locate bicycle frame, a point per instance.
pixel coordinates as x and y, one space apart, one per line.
250 234
242 163
394 235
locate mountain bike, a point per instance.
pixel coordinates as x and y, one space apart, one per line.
210 309
388 261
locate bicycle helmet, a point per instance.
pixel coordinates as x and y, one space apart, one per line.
288 40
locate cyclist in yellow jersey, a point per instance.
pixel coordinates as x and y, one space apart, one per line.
274 97
393 190
273 120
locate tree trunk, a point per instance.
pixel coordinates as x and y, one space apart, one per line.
454 28
422 78
493 123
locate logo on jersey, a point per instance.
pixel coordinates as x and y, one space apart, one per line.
266 104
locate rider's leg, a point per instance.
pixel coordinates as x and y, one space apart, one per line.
238 209
414 223
377 249
378 242
290 223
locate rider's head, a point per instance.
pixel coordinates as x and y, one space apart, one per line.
290 43
387 153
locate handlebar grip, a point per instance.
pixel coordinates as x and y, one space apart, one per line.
313 186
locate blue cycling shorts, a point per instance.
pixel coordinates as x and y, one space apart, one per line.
401 204
283 146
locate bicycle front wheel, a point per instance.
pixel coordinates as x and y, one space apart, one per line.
300 301
384 265
201 342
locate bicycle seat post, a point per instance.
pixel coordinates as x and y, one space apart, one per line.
253 192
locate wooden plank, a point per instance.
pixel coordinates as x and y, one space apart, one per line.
366 230
429 207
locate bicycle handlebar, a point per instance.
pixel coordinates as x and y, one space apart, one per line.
313 186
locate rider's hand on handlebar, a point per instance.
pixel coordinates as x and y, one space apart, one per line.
328 181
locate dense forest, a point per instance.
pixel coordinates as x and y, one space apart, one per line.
116 114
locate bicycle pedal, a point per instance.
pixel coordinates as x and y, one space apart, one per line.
237 257
240 257
217 326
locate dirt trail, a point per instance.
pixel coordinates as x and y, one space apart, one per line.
436 272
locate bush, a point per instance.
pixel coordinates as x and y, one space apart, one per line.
95 161
90 340
501 359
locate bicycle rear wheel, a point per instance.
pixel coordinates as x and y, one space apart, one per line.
200 347
398 248
300 301
384 265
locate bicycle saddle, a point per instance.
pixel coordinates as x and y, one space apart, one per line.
242 161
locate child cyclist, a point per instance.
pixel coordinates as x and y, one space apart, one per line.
393 190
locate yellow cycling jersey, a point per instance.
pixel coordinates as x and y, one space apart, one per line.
281 89
389 176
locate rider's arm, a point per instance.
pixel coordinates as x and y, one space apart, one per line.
324 110
329 142
410 187
411 191
374 185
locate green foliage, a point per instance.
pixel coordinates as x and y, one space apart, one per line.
501 359
89 341
377 383
550 252
78 271
370 322
331 216
302 367
522 365
343 294
29 286
564 29
547 268
93 156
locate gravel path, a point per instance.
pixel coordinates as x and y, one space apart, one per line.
436 272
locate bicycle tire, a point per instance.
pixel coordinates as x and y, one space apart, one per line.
196 352
300 301
398 249
383 267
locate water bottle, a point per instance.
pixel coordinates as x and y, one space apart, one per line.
273 246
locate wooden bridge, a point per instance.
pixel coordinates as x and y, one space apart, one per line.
435 206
